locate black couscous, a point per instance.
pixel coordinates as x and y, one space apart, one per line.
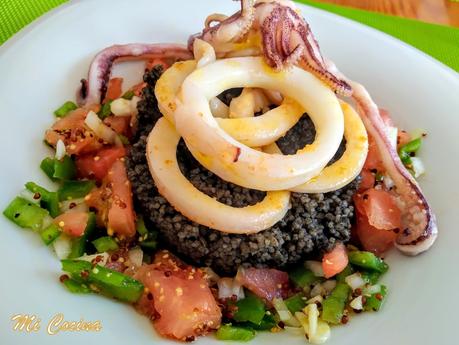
314 223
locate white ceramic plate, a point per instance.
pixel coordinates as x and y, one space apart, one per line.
40 68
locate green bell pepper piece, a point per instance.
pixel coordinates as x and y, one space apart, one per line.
295 303
235 333
50 234
47 165
76 287
106 281
75 189
105 244
250 308
371 277
302 277
128 95
57 169
140 226
105 110
25 214
65 108
333 305
367 261
376 301
48 200
406 150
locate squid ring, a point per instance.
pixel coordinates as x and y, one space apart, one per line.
237 163
197 206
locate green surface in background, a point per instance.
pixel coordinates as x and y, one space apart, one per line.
441 42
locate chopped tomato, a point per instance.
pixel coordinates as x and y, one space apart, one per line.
368 180
335 261
114 89
380 208
153 62
137 88
403 138
372 239
73 223
72 130
120 124
179 299
113 201
266 283
96 165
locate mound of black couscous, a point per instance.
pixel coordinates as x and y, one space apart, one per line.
314 223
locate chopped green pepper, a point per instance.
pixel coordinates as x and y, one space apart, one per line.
80 244
124 140
25 214
128 95
106 281
371 277
376 300
76 287
65 108
406 150
229 332
344 273
140 226
149 245
251 308
48 200
50 234
75 189
367 260
295 303
105 244
57 169
333 305
105 110
302 277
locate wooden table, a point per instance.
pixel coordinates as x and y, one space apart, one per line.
444 12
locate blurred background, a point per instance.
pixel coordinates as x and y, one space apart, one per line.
444 12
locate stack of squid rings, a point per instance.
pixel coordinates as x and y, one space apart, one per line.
241 148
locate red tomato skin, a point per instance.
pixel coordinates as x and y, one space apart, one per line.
373 160
120 124
180 303
335 261
73 223
96 165
380 208
368 180
114 89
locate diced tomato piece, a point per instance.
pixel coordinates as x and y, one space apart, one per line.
403 138
266 283
179 299
335 261
96 165
114 89
113 201
120 124
152 63
137 88
73 223
368 180
380 208
72 130
372 239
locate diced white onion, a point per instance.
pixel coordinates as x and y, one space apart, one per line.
103 258
227 287
294 330
322 334
357 303
284 314
418 166
315 267
47 220
392 133
372 289
62 246
315 299
329 285
121 107
317 290
136 256
60 150
100 129
355 281
313 316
